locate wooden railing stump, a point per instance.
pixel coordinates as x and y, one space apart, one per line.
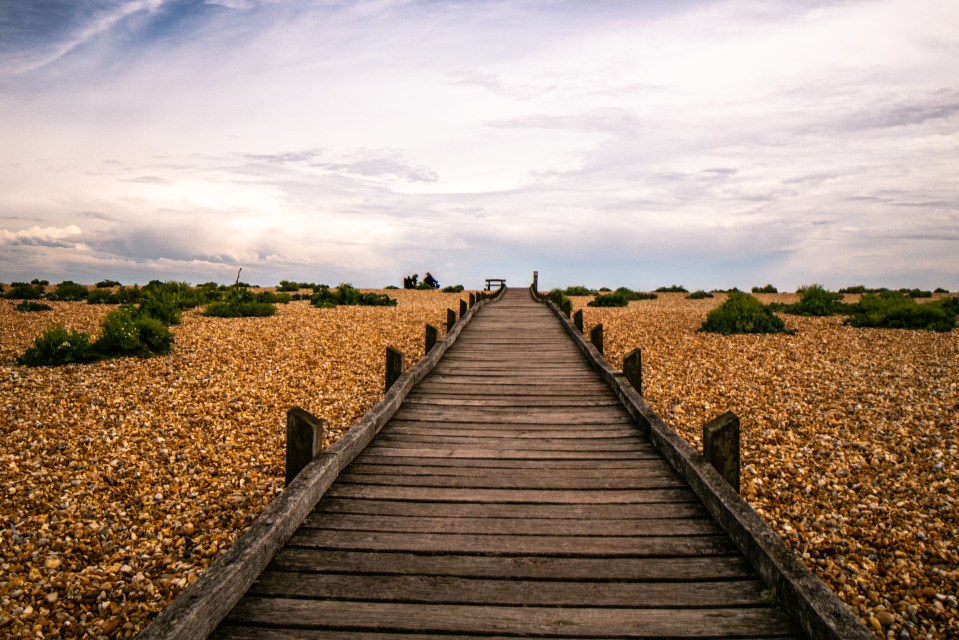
450 320
472 300
578 320
463 308
394 366
596 337
304 440
432 333
721 446
633 369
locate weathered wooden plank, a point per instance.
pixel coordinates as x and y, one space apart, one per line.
467 452
492 415
590 512
414 428
514 526
512 567
591 621
372 457
450 590
521 483
584 446
483 400
532 496
641 469
233 632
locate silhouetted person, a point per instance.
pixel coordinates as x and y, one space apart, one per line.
431 281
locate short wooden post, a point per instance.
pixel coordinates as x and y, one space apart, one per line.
394 366
450 320
472 300
431 335
721 446
596 337
462 308
578 320
304 440
633 369
536 281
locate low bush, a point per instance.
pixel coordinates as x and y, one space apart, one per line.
273 298
673 288
699 295
631 295
766 288
57 346
896 310
742 313
615 299
128 333
916 293
347 294
291 287
604 290
940 290
560 300
68 291
240 302
123 295
40 282
814 300
25 291
107 284
393 286
578 290
456 288
30 306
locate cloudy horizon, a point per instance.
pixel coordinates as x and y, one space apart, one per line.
709 143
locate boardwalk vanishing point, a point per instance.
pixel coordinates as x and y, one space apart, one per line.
511 494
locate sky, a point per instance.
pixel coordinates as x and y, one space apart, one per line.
708 143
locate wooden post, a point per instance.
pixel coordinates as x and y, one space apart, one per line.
472 300
394 366
596 337
304 440
450 320
431 335
462 308
633 369
578 320
721 446
536 281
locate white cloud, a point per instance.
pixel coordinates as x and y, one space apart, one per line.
43 236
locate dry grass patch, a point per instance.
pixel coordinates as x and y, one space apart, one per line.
123 479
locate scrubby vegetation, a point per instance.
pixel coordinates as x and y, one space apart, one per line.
30 306
347 294
673 288
240 302
814 300
699 295
742 313
107 284
58 346
578 290
25 291
68 291
123 295
456 288
766 288
620 298
896 310
916 293
560 300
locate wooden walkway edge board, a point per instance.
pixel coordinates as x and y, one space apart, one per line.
818 611
198 609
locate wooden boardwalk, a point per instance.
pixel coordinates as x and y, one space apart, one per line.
510 495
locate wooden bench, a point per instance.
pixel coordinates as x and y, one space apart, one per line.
499 281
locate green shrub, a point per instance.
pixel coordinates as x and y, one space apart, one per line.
699 295
25 291
292 287
107 284
814 300
30 306
742 313
123 295
673 288
896 310
393 287
456 288
39 282
604 290
916 293
631 295
269 297
577 290
250 309
127 333
57 346
615 299
347 294
160 305
560 300
766 288
940 290
68 291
